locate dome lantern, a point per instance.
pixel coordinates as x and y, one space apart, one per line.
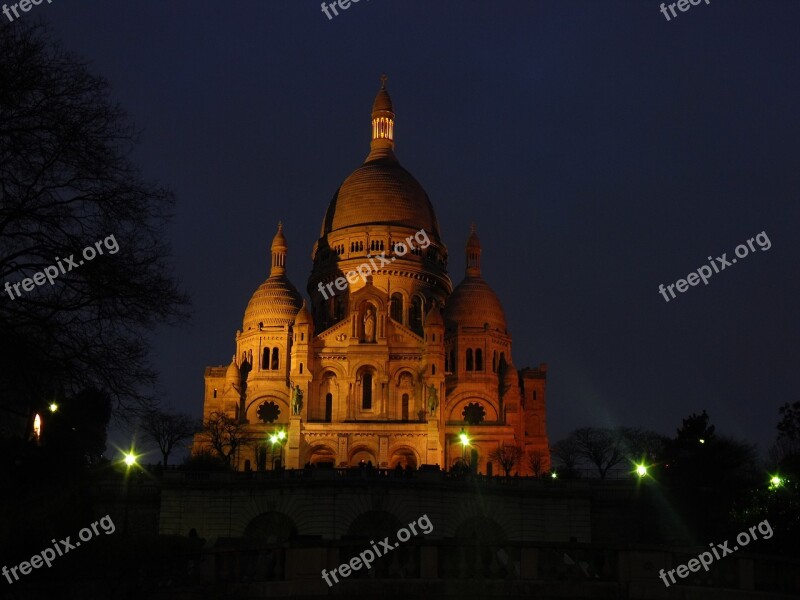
473 254
278 249
382 119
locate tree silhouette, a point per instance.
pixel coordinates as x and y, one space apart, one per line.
67 183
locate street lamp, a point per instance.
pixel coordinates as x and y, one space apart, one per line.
53 407
464 443
776 481
277 438
641 470
129 458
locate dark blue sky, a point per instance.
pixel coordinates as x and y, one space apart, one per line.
600 149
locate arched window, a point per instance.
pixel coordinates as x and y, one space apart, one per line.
328 407
479 359
469 359
404 408
275 361
494 361
433 369
415 315
453 361
265 359
397 307
301 368
366 391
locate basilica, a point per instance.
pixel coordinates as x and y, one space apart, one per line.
395 368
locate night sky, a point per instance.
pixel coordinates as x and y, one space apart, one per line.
600 149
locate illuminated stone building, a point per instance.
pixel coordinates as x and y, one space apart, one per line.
395 366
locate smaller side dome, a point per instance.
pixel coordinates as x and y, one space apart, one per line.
473 303
303 315
232 375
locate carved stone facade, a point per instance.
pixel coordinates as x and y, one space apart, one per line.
391 361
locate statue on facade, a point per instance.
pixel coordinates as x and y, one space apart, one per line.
297 400
433 398
369 326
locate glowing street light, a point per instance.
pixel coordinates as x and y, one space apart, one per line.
130 459
53 407
554 475
641 470
277 438
776 481
464 443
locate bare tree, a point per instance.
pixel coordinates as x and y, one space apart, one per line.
167 430
600 446
536 462
642 445
506 457
225 434
67 183
567 452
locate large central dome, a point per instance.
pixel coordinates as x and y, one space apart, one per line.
381 191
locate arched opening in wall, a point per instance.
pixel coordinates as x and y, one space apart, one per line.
405 457
397 307
261 457
362 456
265 359
453 365
328 407
404 408
271 527
366 391
469 359
494 361
415 315
479 360
322 455
275 361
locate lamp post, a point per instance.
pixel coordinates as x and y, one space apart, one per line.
130 460
464 443
277 438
